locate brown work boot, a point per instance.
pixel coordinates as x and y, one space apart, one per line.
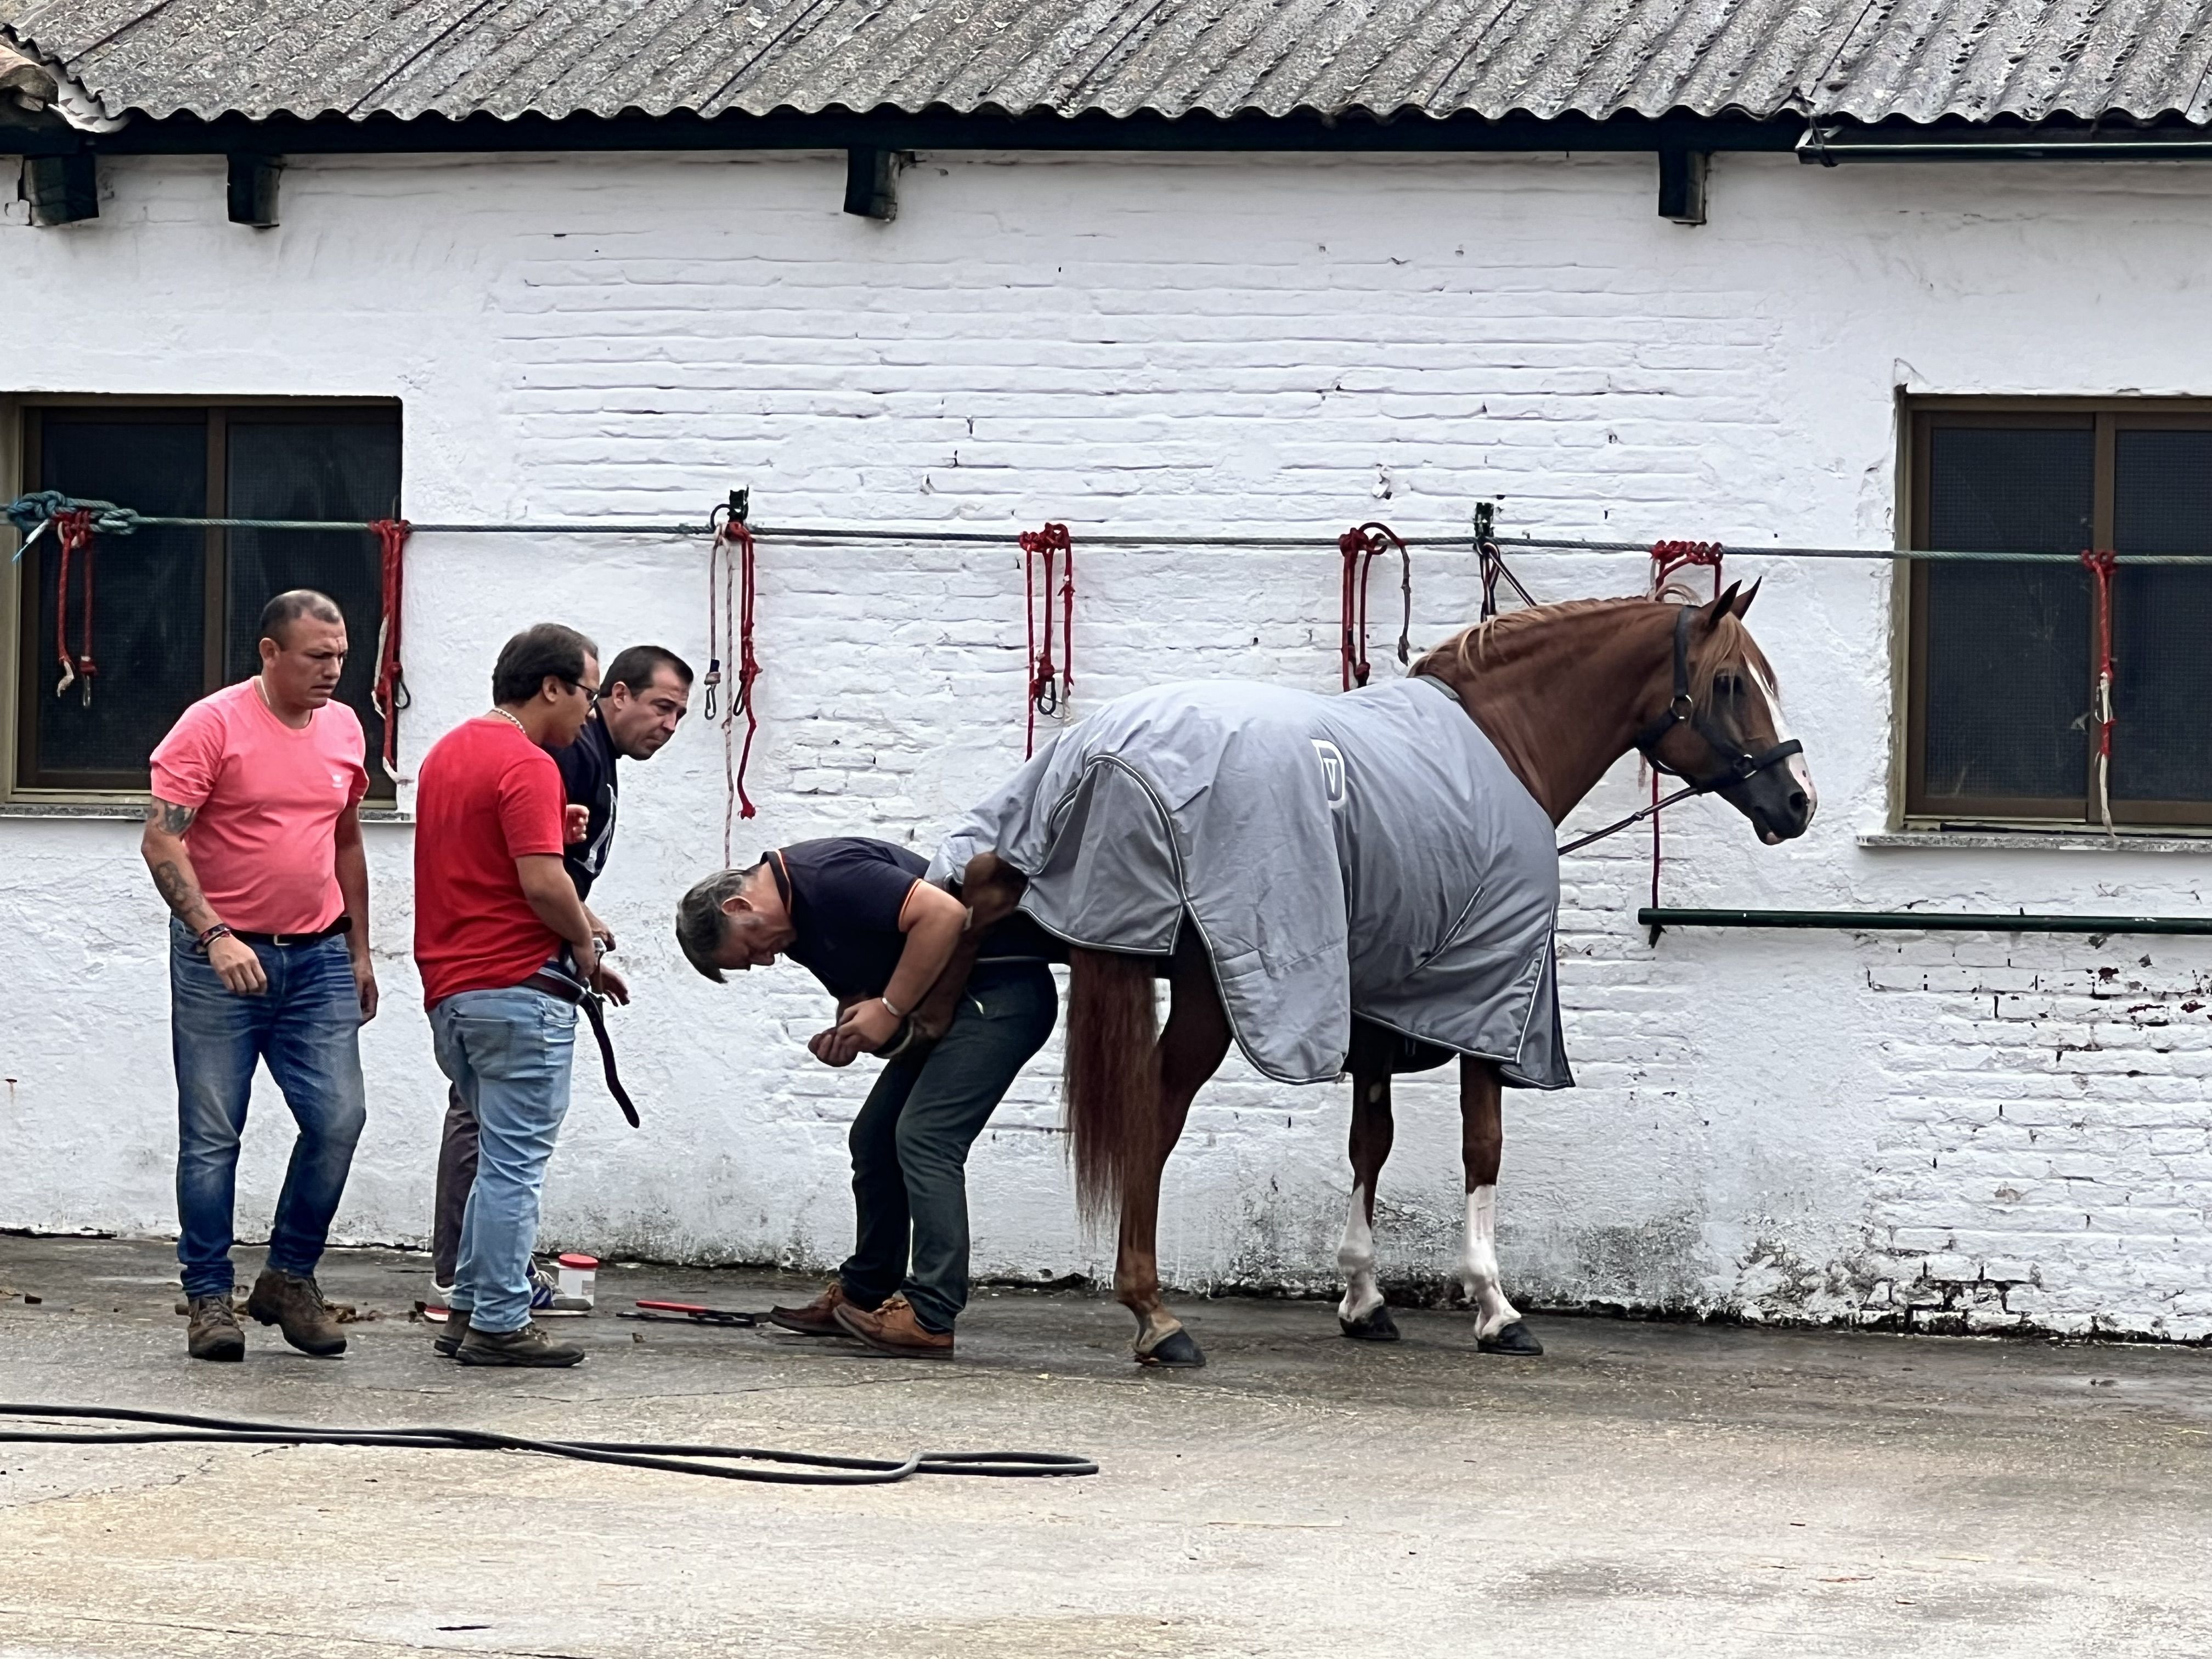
294 1306
818 1317
892 1328
448 1342
214 1332
528 1347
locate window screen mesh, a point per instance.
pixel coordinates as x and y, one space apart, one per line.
149 615
323 469
2162 618
2008 646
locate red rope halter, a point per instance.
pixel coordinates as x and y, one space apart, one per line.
1050 684
2103 564
388 694
1360 546
732 587
73 529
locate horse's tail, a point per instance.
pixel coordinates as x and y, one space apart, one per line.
1112 1078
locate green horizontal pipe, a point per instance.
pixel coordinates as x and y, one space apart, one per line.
1916 921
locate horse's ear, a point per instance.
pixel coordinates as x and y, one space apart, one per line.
1720 607
1749 594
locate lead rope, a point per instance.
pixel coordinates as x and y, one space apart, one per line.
1494 570
1359 547
73 529
2103 564
1050 684
1667 559
388 695
731 578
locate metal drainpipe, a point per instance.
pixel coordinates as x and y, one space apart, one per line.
1908 921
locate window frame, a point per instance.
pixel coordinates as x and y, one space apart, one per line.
21 431
2105 419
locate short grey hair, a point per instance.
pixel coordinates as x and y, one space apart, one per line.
700 922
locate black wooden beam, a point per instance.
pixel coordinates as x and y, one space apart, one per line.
895 130
62 189
1682 184
253 189
872 183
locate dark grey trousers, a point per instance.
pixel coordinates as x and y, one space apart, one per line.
910 1143
457 1173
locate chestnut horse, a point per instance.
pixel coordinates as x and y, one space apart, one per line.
1563 691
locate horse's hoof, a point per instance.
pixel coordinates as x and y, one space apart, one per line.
1175 1351
1514 1338
1376 1326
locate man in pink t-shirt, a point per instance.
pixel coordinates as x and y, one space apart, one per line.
253 837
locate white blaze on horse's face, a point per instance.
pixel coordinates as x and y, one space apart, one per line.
1794 766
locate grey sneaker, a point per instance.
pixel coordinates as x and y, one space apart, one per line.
528 1347
455 1331
214 1333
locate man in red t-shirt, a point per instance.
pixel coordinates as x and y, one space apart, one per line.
504 945
253 837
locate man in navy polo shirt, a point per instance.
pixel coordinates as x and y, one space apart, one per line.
858 915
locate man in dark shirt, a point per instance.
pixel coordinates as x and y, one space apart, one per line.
645 694
857 914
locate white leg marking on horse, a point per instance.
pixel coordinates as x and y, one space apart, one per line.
1355 1259
1796 764
1478 1267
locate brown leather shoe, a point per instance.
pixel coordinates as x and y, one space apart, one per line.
818 1317
892 1328
448 1342
294 1305
214 1333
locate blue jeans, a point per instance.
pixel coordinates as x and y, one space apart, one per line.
508 1054
306 1027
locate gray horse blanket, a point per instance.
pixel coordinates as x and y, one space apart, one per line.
1368 853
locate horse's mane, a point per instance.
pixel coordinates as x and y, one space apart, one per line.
1472 649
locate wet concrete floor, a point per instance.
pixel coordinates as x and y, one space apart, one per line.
1644 1488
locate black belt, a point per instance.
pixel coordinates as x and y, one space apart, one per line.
343 925
554 983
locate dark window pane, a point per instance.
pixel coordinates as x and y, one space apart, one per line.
322 469
2008 646
147 591
2162 618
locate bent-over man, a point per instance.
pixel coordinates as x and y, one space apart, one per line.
647 693
505 949
253 837
857 914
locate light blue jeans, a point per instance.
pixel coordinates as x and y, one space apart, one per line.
508 1054
306 1027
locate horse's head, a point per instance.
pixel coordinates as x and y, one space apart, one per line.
1716 720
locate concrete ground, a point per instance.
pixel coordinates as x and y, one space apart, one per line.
1645 1490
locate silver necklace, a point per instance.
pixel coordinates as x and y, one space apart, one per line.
511 722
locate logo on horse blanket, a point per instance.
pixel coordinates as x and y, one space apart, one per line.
1407 877
1332 770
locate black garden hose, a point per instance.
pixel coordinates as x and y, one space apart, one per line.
802 1469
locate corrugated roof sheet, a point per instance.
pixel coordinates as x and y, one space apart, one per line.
1867 59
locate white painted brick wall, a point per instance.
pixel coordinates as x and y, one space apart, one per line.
1955 1131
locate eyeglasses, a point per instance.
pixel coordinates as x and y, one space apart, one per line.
591 692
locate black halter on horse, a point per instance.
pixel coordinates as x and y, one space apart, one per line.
1739 764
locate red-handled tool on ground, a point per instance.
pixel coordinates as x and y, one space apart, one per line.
689 1313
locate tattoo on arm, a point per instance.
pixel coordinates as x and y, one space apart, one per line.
173 819
182 896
